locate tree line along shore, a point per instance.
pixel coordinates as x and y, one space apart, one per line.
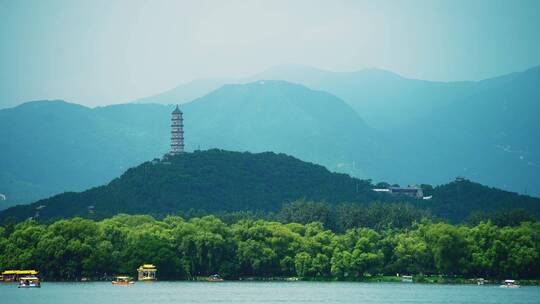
184 249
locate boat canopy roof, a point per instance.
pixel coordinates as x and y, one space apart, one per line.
123 278
509 281
28 279
20 272
148 266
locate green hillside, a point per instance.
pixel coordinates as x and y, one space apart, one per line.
459 199
218 180
212 180
47 145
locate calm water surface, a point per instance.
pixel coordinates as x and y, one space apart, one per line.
265 292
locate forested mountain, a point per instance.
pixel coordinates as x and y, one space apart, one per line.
212 180
86 147
459 199
438 130
218 180
482 130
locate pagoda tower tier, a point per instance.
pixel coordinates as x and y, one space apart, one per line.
177 132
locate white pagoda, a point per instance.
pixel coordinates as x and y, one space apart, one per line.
177 132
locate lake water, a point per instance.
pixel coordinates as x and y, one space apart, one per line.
264 292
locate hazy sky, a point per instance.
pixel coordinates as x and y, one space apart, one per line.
100 52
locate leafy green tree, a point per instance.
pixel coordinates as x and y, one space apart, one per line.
448 247
70 249
358 253
412 254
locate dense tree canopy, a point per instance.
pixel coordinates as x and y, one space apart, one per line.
184 249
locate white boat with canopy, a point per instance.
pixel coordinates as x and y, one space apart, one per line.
509 284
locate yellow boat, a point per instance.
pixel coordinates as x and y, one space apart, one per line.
147 272
14 275
122 280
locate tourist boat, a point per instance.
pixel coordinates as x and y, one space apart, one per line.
14 275
214 278
509 284
29 282
122 280
406 279
480 281
147 272
292 279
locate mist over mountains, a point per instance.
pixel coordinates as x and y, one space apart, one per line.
485 130
371 124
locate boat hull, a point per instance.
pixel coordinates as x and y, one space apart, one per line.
148 279
506 286
123 283
29 286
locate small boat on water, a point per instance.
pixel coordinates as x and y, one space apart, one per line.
509 284
480 281
214 278
122 280
292 279
406 279
147 272
29 282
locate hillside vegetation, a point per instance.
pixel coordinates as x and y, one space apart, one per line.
218 180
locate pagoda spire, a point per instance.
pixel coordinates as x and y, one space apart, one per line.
177 132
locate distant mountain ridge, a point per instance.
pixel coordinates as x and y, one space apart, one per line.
54 146
284 117
261 116
386 100
484 130
489 135
384 89
438 130
186 92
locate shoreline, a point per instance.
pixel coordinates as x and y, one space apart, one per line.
426 280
